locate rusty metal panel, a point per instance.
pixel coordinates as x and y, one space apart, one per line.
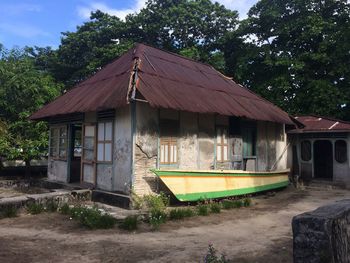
165 80
314 123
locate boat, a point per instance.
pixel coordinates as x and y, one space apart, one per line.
195 185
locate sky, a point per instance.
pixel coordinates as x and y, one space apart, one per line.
40 22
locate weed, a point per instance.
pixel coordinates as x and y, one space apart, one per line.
237 203
9 211
188 212
129 223
180 213
64 209
215 208
212 257
51 206
156 202
227 204
92 218
35 208
247 202
202 210
157 218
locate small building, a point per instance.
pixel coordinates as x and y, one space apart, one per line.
154 109
319 149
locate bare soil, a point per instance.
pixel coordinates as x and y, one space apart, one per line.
260 233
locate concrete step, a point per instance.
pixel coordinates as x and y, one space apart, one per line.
112 199
325 185
117 212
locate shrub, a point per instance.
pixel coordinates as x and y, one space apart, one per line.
35 208
237 203
227 204
51 206
202 210
129 223
64 209
156 202
93 218
157 218
188 212
9 211
212 257
180 213
215 208
247 202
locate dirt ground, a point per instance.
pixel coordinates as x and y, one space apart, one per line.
260 233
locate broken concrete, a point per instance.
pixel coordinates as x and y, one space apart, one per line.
323 235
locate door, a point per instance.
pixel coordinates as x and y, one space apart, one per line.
75 152
88 161
323 159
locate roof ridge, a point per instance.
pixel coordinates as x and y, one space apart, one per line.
325 117
175 54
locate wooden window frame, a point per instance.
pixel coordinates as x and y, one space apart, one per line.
58 146
104 142
222 144
169 141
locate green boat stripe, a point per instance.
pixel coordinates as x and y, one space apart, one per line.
219 194
198 174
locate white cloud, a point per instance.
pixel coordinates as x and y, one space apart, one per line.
242 6
22 30
85 11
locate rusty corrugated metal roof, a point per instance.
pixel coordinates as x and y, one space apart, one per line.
166 80
314 123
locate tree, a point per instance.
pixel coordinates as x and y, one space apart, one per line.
180 26
93 45
23 90
192 28
296 55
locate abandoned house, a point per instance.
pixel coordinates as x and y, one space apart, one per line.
319 149
154 109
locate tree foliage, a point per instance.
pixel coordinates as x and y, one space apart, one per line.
23 90
295 53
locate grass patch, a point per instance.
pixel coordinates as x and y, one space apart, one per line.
9 211
247 202
157 218
130 223
92 218
227 204
237 203
215 208
51 206
64 209
180 213
202 210
35 208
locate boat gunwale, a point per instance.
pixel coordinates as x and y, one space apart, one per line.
218 173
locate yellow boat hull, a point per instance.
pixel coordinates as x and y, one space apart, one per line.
195 185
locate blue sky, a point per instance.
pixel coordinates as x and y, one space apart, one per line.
40 23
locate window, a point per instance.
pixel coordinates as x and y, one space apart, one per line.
104 141
58 142
340 152
306 150
168 141
221 144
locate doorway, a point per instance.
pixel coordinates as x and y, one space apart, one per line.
75 154
323 159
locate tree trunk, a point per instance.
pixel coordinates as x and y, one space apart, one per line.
27 169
